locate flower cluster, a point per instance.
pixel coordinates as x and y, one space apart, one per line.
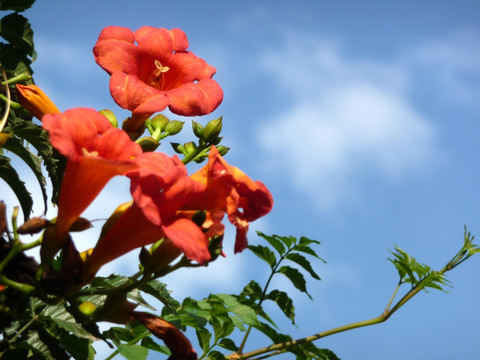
174 211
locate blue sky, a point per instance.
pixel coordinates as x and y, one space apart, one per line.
361 118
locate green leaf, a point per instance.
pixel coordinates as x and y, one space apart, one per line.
216 355
295 277
38 138
159 290
78 348
264 253
137 297
228 344
244 312
284 303
16 29
44 346
60 316
303 262
10 176
17 5
272 240
14 61
34 162
133 352
150 344
204 337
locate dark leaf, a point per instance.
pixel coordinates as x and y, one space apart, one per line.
16 29
295 277
303 262
264 253
284 303
33 161
228 344
10 176
274 241
216 355
17 5
78 348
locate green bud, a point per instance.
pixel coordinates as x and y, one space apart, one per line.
199 217
198 129
159 122
212 130
145 258
178 148
87 308
110 116
223 150
148 144
174 127
190 147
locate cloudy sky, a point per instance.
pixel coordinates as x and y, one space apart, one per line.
363 120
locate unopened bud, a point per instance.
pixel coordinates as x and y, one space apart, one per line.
33 226
198 129
174 127
87 308
189 147
159 122
110 116
148 144
212 130
32 98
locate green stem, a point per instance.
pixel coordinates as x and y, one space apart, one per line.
24 288
191 156
16 79
7 108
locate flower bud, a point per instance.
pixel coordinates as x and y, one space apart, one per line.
159 122
110 116
32 98
212 130
189 147
87 308
148 144
33 225
198 129
3 138
174 127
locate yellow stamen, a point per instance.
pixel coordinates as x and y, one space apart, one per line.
87 153
160 69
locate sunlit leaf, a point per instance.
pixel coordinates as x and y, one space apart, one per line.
272 240
133 352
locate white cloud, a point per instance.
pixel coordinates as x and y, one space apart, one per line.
342 119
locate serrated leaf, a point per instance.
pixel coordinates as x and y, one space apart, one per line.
60 316
295 277
264 253
78 348
303 262
33 161
216 355
272 240
17 5
133 352
138 298
16 30
159 290
244 312
44 345
150 344
228 344
284 302
204 337
38 138
10 176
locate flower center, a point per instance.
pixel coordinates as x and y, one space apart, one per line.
157 79
87 153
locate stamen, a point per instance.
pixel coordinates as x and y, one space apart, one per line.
160 68
87 153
